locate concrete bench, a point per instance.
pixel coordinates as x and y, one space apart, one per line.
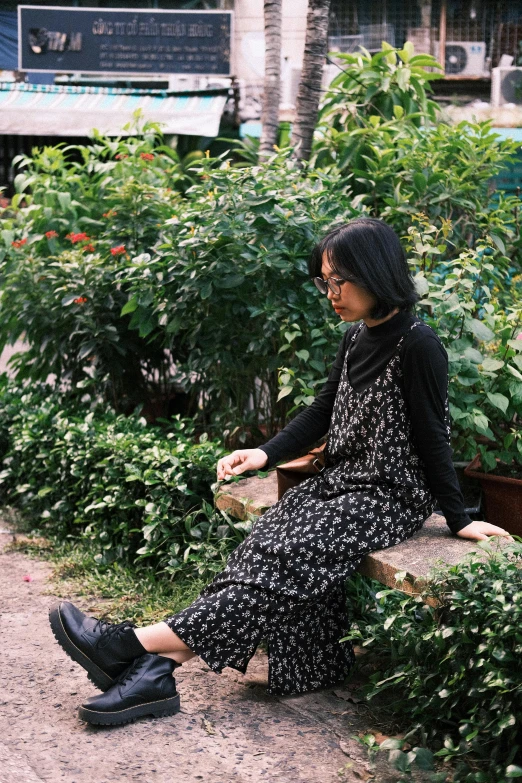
417 556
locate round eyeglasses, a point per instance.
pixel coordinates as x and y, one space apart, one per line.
332 283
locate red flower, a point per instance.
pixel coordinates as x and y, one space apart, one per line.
118 251
51 234
89 248
109 214
77 237
80 300
19 242
121 157
147 156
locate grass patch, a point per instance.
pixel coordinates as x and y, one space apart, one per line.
116 591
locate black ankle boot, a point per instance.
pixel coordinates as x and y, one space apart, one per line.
146 688
103 649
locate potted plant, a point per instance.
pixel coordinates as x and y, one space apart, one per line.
498 467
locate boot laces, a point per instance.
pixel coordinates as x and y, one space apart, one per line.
129 673
107 630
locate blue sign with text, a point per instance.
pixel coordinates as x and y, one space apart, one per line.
132 42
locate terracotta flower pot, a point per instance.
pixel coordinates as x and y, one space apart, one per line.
502 497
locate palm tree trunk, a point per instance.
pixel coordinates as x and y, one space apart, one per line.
272 87
307 107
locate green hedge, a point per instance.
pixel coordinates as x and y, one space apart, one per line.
451 660
139 493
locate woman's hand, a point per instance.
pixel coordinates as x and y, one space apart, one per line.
480 531
239 461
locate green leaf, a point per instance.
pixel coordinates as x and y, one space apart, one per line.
285 391
421 284
492 365
473 355
67 300
205 290
514 372
64 200
513 771
480 330
303 354
498 400
391 744
420 182
507 720
407 51
130 307
424 759
232 281
399 760
44 491
499 243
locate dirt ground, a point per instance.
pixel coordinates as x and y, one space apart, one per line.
228 731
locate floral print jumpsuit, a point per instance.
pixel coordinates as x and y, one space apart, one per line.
285 582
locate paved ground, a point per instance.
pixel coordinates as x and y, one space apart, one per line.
229 729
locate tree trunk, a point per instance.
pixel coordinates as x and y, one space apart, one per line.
309 94
272 86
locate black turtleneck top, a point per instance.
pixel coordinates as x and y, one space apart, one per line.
424 382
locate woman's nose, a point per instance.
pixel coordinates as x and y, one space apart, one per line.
330 294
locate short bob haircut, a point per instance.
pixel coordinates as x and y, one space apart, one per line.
367 252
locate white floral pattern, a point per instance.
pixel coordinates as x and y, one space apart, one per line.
285 582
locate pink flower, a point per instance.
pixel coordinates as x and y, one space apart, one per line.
519 336
27 578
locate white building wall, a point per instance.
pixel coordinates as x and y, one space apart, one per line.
248 51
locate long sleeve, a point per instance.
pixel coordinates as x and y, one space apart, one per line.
425 378
312 423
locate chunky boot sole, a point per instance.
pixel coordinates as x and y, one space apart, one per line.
155 708
96 675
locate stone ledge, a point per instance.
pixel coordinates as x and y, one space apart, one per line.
417 556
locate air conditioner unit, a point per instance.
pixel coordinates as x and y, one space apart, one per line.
506 86
464 58
291 78
347 44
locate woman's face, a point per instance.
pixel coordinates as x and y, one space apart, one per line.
353 303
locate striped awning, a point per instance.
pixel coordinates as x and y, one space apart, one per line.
56 110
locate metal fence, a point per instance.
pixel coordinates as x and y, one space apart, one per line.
496 24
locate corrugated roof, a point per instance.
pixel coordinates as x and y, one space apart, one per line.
56 110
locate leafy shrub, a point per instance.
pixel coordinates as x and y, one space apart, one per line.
136 492
478 316
235 301
77 216
452 656
378 127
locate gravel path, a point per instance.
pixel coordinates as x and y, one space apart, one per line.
228 731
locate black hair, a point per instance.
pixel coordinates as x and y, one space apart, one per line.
367 252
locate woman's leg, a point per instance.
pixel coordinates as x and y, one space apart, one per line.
159 638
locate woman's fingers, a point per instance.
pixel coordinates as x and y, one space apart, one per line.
480 531
240 461
231 465
493 530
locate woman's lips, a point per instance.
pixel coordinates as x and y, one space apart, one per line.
338 309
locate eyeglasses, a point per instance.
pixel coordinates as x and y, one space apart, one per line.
332 283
